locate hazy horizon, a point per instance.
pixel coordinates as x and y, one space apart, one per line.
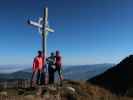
10 68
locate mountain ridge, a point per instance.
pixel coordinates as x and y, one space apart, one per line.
117 79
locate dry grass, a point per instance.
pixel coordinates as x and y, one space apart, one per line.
83 91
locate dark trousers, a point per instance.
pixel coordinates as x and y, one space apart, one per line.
40 77
58 69
51 74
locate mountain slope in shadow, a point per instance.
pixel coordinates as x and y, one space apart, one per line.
117 79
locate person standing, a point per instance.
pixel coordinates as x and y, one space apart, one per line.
37 69
51 68
58 64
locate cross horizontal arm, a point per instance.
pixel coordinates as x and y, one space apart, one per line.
35 24
49 29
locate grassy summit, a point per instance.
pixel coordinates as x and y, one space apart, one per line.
71 90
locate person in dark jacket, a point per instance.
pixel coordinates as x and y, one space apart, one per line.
51 67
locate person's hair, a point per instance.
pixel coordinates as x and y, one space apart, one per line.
52 53
39 52
57 51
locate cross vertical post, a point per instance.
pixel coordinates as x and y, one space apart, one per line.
44 28
44 34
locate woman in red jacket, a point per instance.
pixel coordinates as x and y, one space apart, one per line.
58 64
38 68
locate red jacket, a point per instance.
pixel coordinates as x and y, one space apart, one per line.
38 63
58 60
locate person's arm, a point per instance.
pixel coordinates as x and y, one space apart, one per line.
34 64
54 60
47 60
60 61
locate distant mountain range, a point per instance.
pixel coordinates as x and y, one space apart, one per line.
79 72
83 72
118 79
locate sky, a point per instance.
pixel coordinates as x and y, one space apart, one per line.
86 31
